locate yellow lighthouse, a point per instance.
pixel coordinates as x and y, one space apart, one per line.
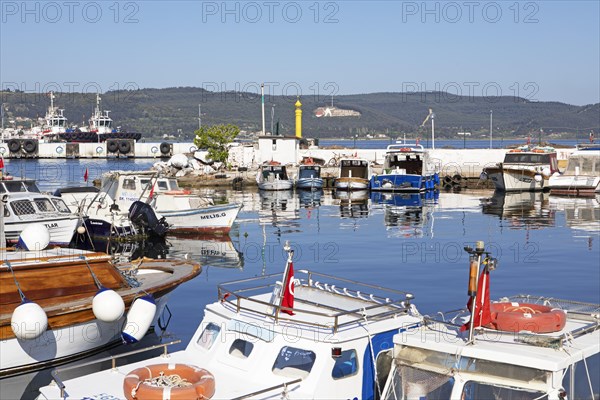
298 118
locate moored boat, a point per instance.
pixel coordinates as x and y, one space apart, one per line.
60 304
25 205
521 347
184 212
525 168
309 176
354 174
582 175
273 176
312 336
406 168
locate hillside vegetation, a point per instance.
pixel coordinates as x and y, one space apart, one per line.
174 111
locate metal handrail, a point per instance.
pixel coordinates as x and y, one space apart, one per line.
235 298
113 359
282 385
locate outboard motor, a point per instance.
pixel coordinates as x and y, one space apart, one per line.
142 215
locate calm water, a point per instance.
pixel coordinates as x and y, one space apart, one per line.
546 245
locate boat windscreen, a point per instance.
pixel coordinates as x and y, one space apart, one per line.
587 165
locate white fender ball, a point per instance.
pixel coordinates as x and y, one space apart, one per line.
107 305
546 172
538 178
34 237
29 321
139 318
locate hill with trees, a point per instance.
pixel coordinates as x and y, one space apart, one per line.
174 111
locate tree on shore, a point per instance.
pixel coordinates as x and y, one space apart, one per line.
215 139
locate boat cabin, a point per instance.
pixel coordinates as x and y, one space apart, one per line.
26 206
274 172
435 361
405 160
535 156
309 171
133 186
583 162
354 168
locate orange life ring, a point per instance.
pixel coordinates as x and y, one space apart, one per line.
538 151
178 192
516 317
202 383
515 151
405 150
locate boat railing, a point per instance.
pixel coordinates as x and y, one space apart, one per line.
587 314
377 302
113 359
269 389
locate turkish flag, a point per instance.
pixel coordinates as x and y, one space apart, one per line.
288 291
1 162
482 315
151 194
86 175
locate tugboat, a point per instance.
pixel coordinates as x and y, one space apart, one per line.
100 129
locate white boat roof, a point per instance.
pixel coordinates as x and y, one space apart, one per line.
334 307
579 339
405 148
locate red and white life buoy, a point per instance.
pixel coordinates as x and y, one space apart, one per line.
516 317
137 386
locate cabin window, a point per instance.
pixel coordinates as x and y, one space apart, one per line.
173 184
145 183
31 186
345 365
241 348
129 183
209 336
44 205
413 383
476 390
292 362
22 207
15 186
61 206
162 185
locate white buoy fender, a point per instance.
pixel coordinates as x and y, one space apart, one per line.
107 305
139 318
34 237
546 172
483 176
538 178
29 320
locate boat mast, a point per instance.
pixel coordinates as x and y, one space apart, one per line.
262 96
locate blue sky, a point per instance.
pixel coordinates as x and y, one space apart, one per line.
540 50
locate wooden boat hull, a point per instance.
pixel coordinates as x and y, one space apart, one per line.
350 183
309 183
64 288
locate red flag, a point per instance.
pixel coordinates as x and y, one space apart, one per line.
1 162
85 175
151 194
288 291
482 314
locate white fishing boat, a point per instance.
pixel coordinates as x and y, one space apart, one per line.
309 176
582 175
25 205
521 347
523 169
57 305
314 336
184 212
406 168
104 220
273 176
355 174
